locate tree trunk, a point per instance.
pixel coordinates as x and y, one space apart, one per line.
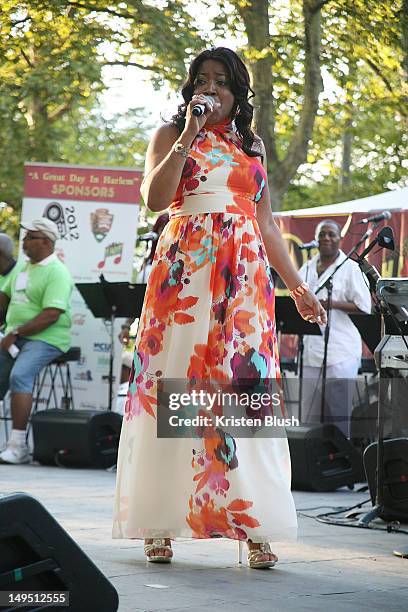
347 137
345 174
254 14
42 143
313 85
404 30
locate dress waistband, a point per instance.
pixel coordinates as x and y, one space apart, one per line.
212 203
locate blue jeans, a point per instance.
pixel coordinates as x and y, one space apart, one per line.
19 374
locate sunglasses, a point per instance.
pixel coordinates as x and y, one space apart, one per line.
28 237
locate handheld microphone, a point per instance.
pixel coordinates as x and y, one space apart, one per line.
313 244
384 215
200 109
148 236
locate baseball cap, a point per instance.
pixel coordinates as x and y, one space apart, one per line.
45 226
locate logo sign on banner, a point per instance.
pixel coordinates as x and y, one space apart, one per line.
96 211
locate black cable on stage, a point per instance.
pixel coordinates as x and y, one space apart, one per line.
317 508
389 528
338 509
392 527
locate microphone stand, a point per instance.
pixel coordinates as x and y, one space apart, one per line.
329 285
301 345
108 297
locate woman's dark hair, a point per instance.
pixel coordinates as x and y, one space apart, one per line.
239 84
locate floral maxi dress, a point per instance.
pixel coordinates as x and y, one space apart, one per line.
208 314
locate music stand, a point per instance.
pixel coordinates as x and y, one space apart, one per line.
289 321
369 328
110 300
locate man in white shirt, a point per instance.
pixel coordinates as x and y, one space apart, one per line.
350 295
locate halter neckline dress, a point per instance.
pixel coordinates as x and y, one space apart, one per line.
208 314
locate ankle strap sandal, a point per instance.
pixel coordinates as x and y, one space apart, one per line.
255 557
158 544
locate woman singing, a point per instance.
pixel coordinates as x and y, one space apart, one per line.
208 315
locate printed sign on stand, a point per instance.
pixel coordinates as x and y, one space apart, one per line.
96 211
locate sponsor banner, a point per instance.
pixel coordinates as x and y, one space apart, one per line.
77 183
96 211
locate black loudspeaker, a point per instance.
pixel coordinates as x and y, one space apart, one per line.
38 555
76 438
322 458
395 490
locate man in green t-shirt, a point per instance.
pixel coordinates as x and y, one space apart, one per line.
35 304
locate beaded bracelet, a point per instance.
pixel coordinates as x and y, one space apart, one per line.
299 291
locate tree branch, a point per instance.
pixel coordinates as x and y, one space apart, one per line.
124 63
95 9
378 72
27 59
287 37
59 111
19 21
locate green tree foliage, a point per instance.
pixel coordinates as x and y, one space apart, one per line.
359 145
90 139
52 54
348 139
154 36
330 78
49 66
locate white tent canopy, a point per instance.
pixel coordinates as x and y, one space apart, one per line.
390 200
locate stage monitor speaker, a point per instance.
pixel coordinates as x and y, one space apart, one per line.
395 477
76 438
38 555
322 458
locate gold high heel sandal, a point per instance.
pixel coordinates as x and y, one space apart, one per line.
255 555
155 545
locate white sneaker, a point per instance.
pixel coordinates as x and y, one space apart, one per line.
14 453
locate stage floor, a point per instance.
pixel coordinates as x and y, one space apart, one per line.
329 567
